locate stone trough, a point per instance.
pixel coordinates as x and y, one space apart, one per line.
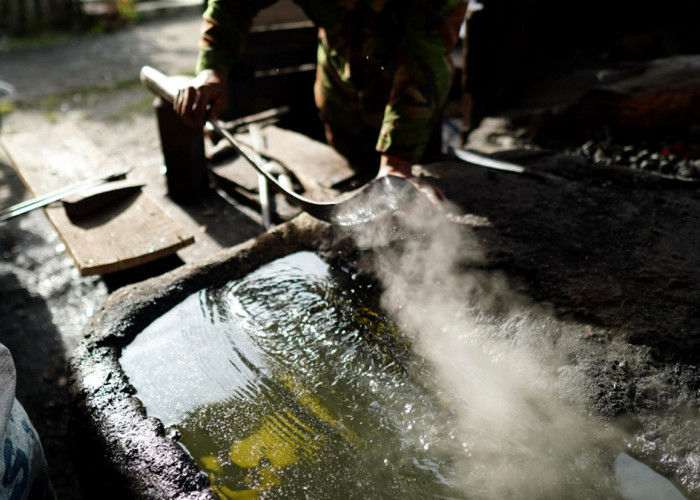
563 343
127 454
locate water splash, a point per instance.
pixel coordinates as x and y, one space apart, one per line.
304 388
290 383
514 372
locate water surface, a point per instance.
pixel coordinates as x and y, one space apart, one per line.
290 383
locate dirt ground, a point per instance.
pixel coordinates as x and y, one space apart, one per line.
613 249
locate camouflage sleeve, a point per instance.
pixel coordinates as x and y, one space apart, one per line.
423 77
224 29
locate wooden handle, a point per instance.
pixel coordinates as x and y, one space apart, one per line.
158 83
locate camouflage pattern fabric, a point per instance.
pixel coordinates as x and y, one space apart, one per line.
383 73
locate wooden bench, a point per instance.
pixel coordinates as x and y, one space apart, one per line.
315 169
276 71
128 233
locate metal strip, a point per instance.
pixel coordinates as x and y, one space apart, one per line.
58 194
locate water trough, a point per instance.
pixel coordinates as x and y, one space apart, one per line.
136 457
524 381
266 371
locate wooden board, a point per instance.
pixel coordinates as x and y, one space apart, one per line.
316 165
131 232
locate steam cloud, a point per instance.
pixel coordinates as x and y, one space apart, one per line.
493 352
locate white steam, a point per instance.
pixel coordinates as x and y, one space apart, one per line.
494 354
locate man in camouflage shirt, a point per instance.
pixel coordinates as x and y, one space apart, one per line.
383 72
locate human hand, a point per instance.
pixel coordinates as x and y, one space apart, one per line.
392 165
205 98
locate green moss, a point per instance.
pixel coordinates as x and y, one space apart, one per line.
38 40
89 95
6 107
127 9
52 117
130 109
122 99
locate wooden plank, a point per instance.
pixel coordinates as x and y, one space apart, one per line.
316 165
47 12
131 232
30 15
13 15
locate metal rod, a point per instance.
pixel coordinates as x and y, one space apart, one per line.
263 186
51 194
481 160
376 199
485 161
57 195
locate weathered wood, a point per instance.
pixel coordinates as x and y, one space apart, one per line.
130 232
22 17
12 11
183 153
30 15
47 11
316 165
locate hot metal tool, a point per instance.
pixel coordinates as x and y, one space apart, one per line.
377 199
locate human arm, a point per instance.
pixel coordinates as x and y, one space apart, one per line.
393 165
205 98
225 25
419 90
422 79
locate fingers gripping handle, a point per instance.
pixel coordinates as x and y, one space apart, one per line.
158 83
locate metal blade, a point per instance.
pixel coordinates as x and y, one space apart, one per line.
58 194
506 166
377 199
485 161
